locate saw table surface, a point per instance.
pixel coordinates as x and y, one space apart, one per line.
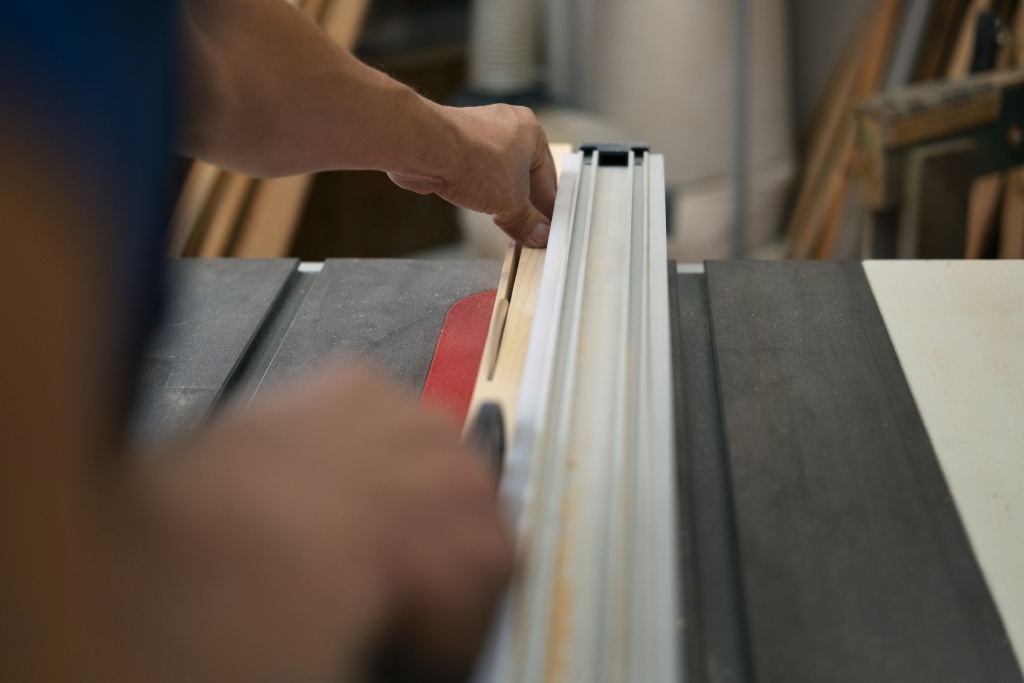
236 327
850 439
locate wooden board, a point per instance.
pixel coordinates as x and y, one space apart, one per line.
888 123
931 110
958 329
343 19
226 214
192 206
273 218
511 320
1011 235
855 564
815 221
963 50
982 206
941 30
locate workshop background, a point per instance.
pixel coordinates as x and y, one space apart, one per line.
674 73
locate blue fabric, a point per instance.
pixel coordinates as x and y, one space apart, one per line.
96 80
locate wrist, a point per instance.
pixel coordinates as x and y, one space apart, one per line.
427 140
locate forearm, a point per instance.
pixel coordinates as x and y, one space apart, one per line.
268 93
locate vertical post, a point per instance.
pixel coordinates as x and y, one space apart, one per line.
741 91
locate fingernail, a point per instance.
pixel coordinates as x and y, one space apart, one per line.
539 235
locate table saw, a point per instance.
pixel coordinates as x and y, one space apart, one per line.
850 439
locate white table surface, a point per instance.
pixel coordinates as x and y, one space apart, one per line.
958 329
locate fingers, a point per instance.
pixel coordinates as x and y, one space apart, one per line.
543 179
462 561
526 225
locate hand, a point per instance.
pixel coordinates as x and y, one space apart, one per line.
500 164
314 526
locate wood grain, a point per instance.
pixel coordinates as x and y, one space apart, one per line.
226 215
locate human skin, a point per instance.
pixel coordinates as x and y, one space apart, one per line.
286 542
269 95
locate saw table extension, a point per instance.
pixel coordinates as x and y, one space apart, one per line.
849 440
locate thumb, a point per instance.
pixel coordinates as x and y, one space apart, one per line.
526 225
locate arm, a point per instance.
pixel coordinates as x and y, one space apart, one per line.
270 95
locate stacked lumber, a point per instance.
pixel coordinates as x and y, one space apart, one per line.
826 174
223 213
943 47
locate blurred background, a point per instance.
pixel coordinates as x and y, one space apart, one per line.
815 109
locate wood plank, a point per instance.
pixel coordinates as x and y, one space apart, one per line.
888 122
227 215
343 20
944 121
982 206
814 206
963 51
1017 42
192 206
273 218
501 371
940 37
314 9
957 328
823 145
855 564
1011 235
